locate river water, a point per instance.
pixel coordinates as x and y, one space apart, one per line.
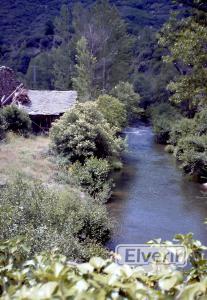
152 198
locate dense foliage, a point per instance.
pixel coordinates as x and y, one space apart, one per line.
108 42
94 177
186 138
42 47
113 110
181 129
185 38
3 126
163 117
192 152
65 219
83 132
51 276
124 91
85 68
16 119
90 51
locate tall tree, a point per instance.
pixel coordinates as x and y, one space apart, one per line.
108 41
84 69
63 64
62 67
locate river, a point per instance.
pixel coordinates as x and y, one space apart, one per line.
152 198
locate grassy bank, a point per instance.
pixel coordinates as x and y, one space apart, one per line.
28 155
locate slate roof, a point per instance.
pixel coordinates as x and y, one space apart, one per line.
49 102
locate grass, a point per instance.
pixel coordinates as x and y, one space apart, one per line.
28 156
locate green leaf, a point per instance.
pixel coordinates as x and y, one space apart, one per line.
97 262
170 281
192 291
85 268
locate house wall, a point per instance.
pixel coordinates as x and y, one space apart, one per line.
42 123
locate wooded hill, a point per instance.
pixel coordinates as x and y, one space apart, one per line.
26 25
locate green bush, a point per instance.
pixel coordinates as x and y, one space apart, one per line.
192 152
64 219
17 120
3 126
189 139
124 91
83 132
180 129
185 127
113 111
200 120
163 118
52 276
93 177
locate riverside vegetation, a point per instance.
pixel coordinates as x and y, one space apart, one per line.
85 147
45 227
181 123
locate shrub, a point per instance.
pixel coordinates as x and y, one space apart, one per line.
200 120
93 176
113 111
49 219
180 129
3 126
163 118
17 120
83 132
192 152
124 91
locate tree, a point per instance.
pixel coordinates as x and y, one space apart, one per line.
40 72
124 91
83 81
63 24
151 75
63 64
186 40
108 41
113 111
163 118
192 152
62 67
83 132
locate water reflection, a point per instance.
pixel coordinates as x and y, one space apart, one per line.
152 199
